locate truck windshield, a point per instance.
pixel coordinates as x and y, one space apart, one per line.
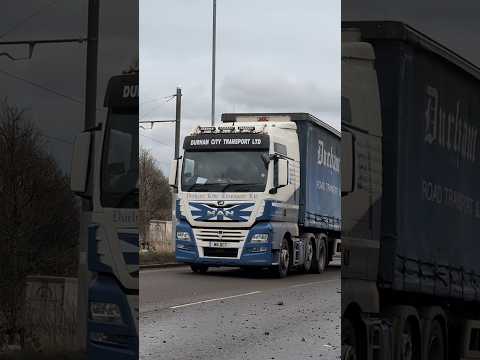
225 171
120 161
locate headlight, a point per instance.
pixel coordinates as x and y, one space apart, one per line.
183 235
105 313
259 238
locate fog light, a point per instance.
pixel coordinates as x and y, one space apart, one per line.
105 313
259 249
183 236
101 337
259 238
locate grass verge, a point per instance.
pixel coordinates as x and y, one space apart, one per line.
150 257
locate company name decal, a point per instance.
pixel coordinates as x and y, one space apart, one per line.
328 157
238 141
209 212
447 127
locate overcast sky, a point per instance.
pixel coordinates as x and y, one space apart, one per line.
272 55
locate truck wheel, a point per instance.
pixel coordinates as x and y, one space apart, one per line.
199 269
281 270
409 344
307 265
349 340
319 265
436 342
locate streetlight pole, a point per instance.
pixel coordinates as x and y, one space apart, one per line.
214 39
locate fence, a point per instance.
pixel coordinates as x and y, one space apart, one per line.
159 237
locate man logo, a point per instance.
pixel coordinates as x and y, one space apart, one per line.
220 203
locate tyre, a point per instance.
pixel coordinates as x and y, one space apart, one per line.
199 269
349 341
319 264
436 342
281 270
307 265
409 342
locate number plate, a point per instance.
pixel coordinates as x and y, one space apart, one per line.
220 244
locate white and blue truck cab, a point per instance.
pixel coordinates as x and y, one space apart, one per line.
260 190
105 171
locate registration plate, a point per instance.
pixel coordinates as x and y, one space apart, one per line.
219 244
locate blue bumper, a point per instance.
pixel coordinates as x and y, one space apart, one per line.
252 254
110 341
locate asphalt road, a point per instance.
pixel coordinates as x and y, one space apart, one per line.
232 314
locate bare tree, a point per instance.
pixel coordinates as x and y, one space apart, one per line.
155 195
38 216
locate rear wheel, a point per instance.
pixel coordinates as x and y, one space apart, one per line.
409 345
281 270
307 265
319 264
349 341
199 269
436 342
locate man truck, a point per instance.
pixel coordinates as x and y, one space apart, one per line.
410 197
259 191
105 173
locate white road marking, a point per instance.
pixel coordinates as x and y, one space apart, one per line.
216 299
313 283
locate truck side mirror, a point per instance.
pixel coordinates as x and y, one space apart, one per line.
81 163
172 179
282 173
348 163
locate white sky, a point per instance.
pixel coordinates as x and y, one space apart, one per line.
272 55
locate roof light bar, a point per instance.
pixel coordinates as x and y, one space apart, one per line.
246 128
226 128
206 129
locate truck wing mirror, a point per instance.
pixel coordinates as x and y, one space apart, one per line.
348 163
172 180
81 163
280 174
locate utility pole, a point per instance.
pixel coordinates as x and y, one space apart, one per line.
87 206
178 115
214 40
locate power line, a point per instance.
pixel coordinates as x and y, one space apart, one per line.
154 140
44 88
24 20
68 97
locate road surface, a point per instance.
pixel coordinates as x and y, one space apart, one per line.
232 314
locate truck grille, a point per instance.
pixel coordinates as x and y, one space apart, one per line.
219 252
229 235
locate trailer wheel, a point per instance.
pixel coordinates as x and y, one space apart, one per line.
349 340
281 270
409 343
319 264
436 342
307 265
199 269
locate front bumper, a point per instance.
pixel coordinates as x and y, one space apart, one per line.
259 255
119 341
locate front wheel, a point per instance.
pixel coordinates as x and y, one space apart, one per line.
281 270
199 269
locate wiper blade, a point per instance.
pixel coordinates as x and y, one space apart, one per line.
239 184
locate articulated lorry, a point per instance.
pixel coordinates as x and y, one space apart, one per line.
410 197
105 171
261 190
